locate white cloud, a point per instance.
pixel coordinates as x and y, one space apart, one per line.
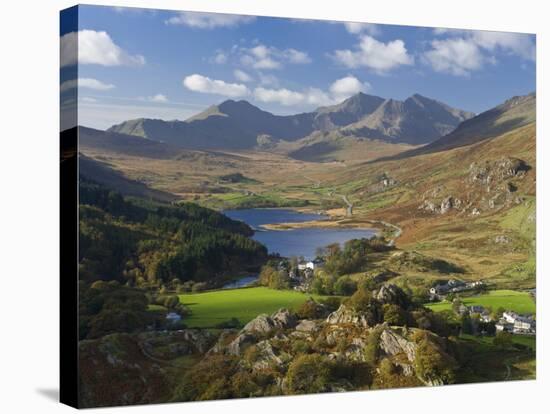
296 56
373 54
208 20
338 91
348 86
268 79
282 96
220 58
158 98
267 58
357 28
242 76
456 56
203 84
95 48
87 83
519 44
514 43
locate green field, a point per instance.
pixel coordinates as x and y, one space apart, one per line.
520 302
210 308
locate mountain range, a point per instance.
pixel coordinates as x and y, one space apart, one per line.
241 125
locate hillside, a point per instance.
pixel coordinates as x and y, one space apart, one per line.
104 174
514 113
241 125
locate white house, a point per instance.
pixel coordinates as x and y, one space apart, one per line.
312 264
173 317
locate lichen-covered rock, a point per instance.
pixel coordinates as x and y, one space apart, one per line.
266 356
393 344
240 344
346 315
390 293
282 319
261 323
307 326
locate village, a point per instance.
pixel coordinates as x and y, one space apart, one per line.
301 274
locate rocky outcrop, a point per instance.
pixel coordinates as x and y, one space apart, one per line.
266 356
393 344
261 324
347 315
307 326
390 293
240 344
502 239
282 319
490 171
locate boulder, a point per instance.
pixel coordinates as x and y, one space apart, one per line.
240 344
307 326
345 315
261 323
266 356
390 293
393 344
284 319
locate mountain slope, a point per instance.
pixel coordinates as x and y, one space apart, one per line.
241 125
513 113
113 142
417 120
104 174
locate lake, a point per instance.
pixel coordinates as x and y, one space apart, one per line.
294 242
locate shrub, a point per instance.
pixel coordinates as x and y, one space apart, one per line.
394 315
345 286
503 340
433 364
309 374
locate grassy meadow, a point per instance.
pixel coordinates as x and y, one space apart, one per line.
211 308
520 302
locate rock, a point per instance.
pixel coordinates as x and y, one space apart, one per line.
390 293
307 326
446 205
261 323
475 212
240 344
347 315
502 239
284 319
266 356
392 344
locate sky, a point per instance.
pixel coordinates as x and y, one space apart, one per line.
135 63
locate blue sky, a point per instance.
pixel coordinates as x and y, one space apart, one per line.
170 65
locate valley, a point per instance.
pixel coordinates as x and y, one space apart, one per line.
347 236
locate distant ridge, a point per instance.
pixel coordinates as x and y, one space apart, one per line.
241 125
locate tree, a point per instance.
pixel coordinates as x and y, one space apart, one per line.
466 324
345 286
372 347
394 315
434 364
503 340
